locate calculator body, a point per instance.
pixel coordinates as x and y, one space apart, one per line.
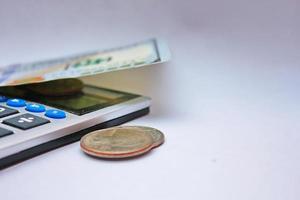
94 108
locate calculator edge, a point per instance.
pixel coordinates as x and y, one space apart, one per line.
75 136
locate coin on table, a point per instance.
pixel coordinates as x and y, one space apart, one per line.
158 136
119 142
59 87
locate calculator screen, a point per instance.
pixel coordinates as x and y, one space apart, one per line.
90 99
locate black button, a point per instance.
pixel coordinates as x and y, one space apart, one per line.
5 111
26 121
5 132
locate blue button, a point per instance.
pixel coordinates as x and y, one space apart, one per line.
56 114
33 107
16 102
3 98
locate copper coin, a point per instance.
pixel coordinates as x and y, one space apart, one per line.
158 136
117 142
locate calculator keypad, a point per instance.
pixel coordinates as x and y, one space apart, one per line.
3 98
5 132
25 121
33 107
5 111
55 114
16 102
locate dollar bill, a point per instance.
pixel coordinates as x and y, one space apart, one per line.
136 55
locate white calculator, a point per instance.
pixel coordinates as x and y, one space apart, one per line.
32 124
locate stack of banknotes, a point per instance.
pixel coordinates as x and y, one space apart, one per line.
140 54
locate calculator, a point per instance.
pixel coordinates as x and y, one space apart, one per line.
33 124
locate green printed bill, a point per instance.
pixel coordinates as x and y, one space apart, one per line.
131 56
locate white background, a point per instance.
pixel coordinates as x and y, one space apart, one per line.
228 102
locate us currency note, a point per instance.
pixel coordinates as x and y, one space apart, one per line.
140 54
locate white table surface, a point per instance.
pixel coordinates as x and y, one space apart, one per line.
228 102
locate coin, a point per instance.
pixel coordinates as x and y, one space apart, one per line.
158 136
117 142
60 87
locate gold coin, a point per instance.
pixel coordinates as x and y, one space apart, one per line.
117 142
158 136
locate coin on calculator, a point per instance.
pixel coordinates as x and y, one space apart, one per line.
121 141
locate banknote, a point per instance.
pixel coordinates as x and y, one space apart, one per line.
90 63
